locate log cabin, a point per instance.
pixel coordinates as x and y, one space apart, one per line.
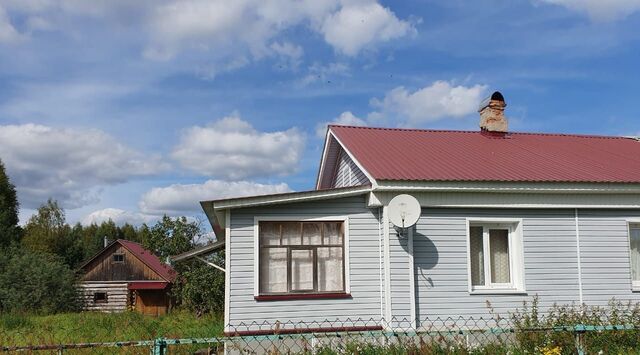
124 275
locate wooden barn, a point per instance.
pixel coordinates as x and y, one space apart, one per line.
123 276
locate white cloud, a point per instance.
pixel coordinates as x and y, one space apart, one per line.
118 216
8 33
318 72
68 164
600 10
346 119
184 198
232 149
439 100
290 54
357 26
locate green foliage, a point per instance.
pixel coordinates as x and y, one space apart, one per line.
9 230
17 329
561 317
170 236
35 282
200 287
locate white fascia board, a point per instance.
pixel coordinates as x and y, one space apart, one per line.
287 198
324 158
505 187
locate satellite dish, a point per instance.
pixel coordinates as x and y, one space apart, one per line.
404 211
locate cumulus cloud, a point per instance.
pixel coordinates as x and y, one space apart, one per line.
600 10
231 149
68 164
223 27
356 26
437 101
345 119
118 216
184 198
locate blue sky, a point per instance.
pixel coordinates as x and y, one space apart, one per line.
132 109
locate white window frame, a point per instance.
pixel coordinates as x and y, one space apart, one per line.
285 218
635 285
516 255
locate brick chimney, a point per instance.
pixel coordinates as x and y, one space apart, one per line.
492 114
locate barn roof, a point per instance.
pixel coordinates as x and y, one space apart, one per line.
146 256
434 155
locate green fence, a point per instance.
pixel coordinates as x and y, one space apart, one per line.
447 336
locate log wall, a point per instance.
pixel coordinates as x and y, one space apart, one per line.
117 296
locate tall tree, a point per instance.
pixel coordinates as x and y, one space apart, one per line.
46 229
170 236
9 230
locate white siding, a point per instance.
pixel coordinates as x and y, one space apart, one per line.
364 273
604 246
442 285
347 172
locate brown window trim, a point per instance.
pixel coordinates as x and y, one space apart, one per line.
361 328
302 296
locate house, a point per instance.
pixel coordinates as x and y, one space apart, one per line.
505 217
123 276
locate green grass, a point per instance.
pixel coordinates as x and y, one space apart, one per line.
17 330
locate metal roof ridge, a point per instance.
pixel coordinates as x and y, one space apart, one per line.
480 132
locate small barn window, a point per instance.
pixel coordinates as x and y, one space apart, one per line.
100 297
301 257
118 258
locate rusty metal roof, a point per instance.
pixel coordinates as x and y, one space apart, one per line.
433 155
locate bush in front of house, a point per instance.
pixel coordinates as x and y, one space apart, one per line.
35 283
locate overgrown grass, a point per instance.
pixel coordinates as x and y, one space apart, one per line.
17 330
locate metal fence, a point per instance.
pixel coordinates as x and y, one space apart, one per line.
470 335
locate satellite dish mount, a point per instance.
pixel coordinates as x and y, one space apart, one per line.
404 212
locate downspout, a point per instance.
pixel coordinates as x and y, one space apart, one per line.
387 265
578 254
412 277
381 263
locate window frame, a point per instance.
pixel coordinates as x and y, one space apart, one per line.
113 258
635 285
516 255
301 294
95 297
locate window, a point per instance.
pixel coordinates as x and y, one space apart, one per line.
495 257
634 243
100 297
301 257
118 258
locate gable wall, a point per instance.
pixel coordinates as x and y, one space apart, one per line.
104 269
347 172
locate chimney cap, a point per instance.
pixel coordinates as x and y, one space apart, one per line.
496 96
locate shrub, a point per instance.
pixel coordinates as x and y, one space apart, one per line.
35 283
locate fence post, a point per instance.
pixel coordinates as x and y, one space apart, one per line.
159 347
579 332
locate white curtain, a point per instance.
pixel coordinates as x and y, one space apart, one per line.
333 233
301 270
635 252
273 270
311 234
499 251
330 268
477 256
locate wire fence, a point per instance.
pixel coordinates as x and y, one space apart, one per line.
613 334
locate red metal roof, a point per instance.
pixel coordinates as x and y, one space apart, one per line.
152 261
431 155
147 285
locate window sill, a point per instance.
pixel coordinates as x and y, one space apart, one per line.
305 296
498 291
